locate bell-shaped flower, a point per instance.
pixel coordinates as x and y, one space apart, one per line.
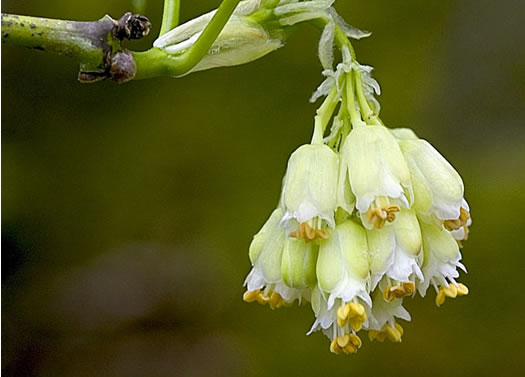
382 323
441 262
378 174
309 195
265 283
395 256
342 276
342 333
438 188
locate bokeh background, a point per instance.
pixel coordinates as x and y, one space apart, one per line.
128 210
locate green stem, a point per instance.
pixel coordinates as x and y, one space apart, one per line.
155 62
170 16
355 119
324 113
368 115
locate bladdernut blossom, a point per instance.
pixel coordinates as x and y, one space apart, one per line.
368 215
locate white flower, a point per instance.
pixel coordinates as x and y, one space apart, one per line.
395 256
438 188
264 282
441 262
378 174
309 191
338 323
342 266
382 323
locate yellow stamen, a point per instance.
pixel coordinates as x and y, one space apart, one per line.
275 300
356 315
399 291
306 233
347 344
262 299
355 340
440 298
350 349
399 328
460 222
251 296
342 341
392 334
381 211
334 347
462 289
356 310
451 291
342 315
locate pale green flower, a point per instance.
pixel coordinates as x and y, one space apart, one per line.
441 262
309 192
395 256
438 188
264 282
378 174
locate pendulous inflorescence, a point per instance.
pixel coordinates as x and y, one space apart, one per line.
368 215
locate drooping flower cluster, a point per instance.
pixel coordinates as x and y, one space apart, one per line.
368 215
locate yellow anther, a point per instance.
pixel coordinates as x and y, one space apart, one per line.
399 291
356 310
306 233
392 333
378 335
350 349
262 299
451 291
342 341
356 323
409 287
382 211
462 289
251 296
355 340
458 223
334 347
275 300
440 298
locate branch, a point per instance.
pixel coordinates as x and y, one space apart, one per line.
96 45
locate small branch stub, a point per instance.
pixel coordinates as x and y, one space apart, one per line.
96 45
132 26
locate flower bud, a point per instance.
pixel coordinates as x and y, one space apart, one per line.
242 39
298 263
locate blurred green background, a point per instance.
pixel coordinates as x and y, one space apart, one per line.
128 210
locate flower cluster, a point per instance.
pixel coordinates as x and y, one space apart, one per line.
368 215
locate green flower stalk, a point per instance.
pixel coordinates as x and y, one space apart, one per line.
368 217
